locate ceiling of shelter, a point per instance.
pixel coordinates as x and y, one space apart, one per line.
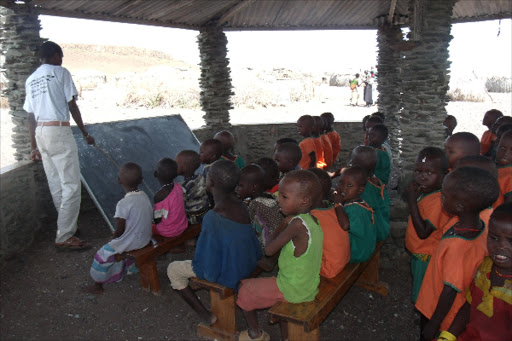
259 14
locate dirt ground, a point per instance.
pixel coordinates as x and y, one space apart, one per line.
40 299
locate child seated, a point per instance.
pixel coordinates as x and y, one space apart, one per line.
504 161
332 134
210 151
300 243
310 157
502 129
487 313
466 191
271 180
319 144
336 246
263 207
326 142
459 145
449 124
354 214
488 137
427 217
194 186
169 215
282 140
228 143
375 193
376 137
134 214
287 158
478 161
227 249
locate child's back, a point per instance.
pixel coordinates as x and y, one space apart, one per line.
377 197
328 153
504 161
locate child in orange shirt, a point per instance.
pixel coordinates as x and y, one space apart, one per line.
466 191
332 134
427 217
488 137
305 126
504 161
487 314
459 145
315 133
326 143
336 247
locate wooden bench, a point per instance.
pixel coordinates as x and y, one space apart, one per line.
223 305
145 258
304 319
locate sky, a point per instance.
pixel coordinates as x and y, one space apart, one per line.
475 46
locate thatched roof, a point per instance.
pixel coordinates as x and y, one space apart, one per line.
260 14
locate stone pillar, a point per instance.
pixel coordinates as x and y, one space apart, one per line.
19 43
215 81
425 78
389 83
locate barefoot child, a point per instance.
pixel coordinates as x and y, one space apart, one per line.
466 191
459 145
504 161
305 126
427 217
227 249
300 244
134 214
376 137
354 214
194 186
271 180
263 207
487 313
488 137
228 143
332 134
336 246
375 193
169 214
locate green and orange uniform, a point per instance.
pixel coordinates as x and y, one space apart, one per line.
454 263
432 213
362 234
336 246
383 167
376 195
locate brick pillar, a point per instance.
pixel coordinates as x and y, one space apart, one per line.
19 41
215 81
425 78
389 83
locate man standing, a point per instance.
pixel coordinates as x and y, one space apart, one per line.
50 97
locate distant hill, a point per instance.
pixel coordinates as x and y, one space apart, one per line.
111 60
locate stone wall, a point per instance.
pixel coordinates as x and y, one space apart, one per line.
19 41
25 206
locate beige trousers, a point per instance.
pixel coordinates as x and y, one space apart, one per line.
179 272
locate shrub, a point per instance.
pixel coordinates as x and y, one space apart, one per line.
498 84
459 95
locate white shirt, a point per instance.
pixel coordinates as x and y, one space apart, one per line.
48 91
137 210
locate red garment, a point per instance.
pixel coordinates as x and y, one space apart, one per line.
307 146
335 139
485 142
327 150
319 151
274 189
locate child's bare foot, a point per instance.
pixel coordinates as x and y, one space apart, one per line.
96 289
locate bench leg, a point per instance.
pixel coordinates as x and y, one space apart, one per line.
225 327
369 279
149 275
296 332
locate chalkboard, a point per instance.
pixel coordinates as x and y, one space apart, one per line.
144 141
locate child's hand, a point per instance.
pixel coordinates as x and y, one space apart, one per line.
412 191
337 197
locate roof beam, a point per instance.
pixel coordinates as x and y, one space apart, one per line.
233 10
392 7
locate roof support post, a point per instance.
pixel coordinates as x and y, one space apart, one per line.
215 81
388 84
20 40
425 82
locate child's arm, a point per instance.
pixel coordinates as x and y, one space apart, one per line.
342 216
443 307
296 231
160 196
461 320
312 163
423 230
121 226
